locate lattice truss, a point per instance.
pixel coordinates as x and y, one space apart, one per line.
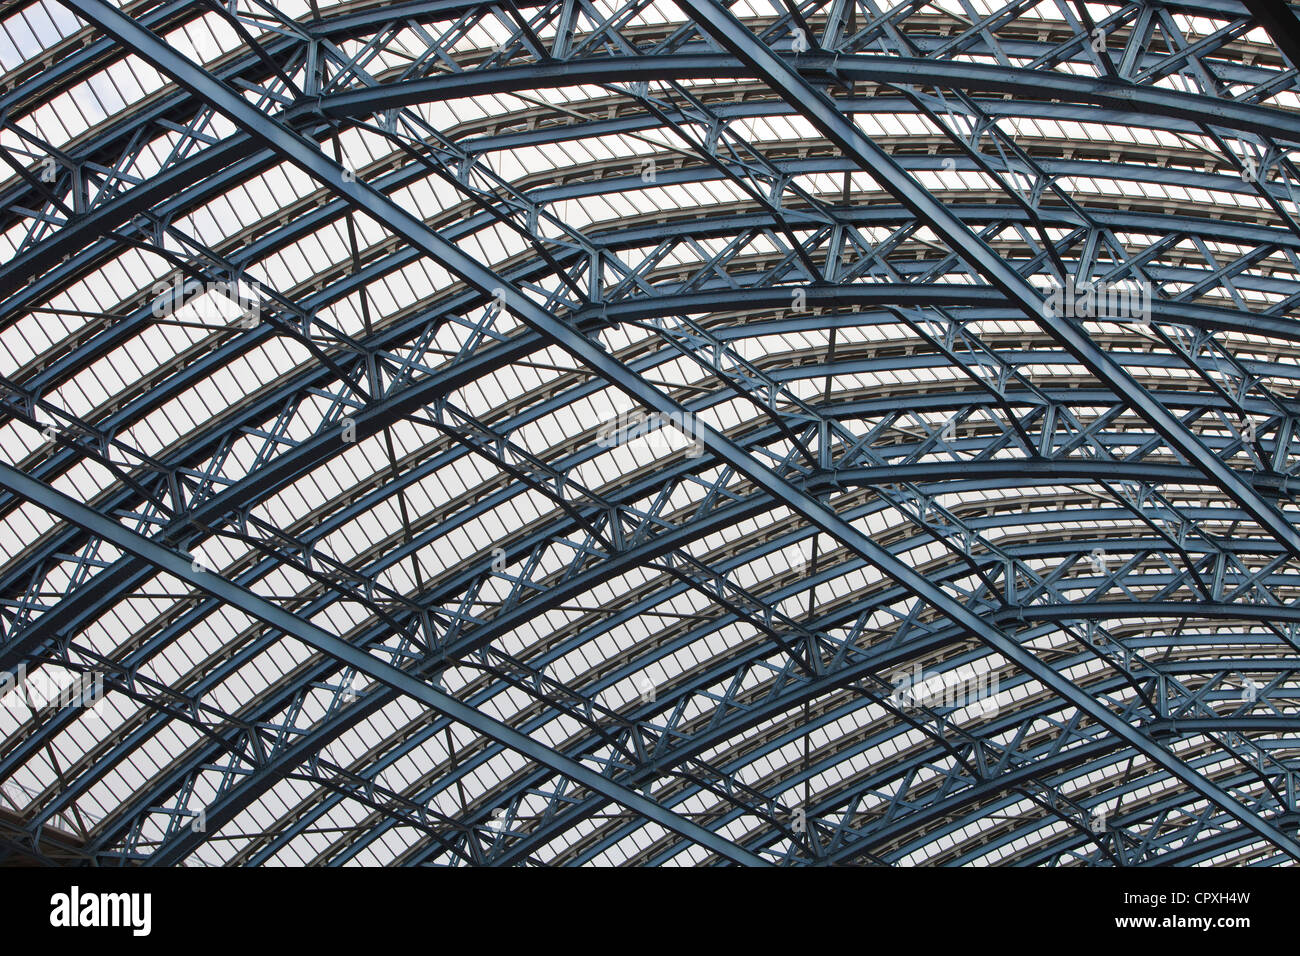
543 432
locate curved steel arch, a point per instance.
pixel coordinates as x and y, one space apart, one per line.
836 362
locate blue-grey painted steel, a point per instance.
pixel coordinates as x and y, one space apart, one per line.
826 116
312 161
182 566
1215 589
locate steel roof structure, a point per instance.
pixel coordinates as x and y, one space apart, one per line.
657 432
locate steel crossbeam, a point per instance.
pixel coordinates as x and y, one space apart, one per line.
361 659
308 157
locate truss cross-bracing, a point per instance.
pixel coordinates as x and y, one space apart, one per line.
651 432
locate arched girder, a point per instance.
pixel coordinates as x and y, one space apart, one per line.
364 661
1071 762
91 50
1137 471
885 771
318 215
559 826
459 377
1079 547
1026 83
44 379
505 799
1161 808
988 800
1229 406
421 392
1181 313
220 167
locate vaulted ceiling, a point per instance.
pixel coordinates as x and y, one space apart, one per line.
567 432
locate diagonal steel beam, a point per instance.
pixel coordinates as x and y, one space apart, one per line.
820 110
1277 17
311 160
181 567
